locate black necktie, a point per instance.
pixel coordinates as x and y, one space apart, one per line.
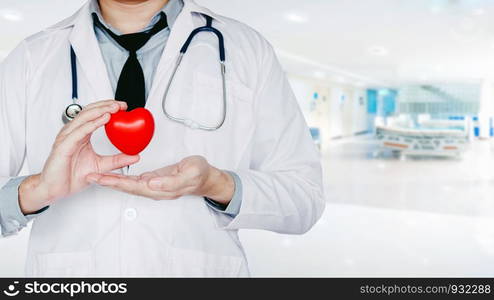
131 86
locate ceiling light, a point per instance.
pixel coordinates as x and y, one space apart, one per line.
11 15
378 51
341 79
319 74
296 18
423 77
478 12
435 9
446 188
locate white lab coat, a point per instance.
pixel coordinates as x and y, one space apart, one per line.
102 232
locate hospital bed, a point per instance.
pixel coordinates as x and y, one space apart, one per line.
423 141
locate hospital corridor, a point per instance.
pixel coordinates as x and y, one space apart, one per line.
399 99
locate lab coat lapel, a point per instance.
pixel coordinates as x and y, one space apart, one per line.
182 27
89 58
93 69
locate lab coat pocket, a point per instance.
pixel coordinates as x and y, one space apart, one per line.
196 263
226 146
69 264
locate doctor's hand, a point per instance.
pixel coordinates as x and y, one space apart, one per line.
191 176
72 158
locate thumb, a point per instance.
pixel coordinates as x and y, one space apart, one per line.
113 162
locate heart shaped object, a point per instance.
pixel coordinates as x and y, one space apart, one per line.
131 132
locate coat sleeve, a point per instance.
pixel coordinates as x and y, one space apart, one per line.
282 189
13 78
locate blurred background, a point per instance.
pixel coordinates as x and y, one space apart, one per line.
399 97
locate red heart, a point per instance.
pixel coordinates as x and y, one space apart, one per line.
131 131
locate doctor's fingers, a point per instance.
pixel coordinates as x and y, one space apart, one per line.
88 115
113 162
104 177
170 184
130 185
69 143
166 171
123 105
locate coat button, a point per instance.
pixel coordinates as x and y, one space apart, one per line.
130 214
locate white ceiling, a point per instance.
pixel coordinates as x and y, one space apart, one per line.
415 40
427 40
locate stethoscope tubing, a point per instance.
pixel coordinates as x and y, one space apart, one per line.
73 65
187 122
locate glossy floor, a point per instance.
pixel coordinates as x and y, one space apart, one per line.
388 216
385 217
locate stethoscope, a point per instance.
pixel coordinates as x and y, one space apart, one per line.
72 110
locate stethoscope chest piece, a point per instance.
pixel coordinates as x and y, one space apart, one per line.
71 112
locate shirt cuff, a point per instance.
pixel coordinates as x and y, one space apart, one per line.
233 208
12 220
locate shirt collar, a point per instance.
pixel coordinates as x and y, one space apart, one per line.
171 9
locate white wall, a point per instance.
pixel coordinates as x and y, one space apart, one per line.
334 117
360 117
486 107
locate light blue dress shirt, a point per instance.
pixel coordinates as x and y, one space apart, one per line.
114 56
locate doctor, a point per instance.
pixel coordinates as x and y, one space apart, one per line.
175 209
